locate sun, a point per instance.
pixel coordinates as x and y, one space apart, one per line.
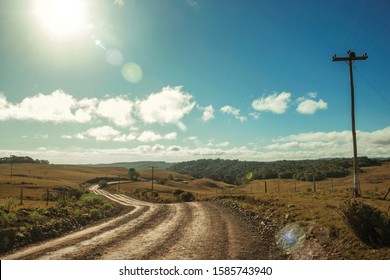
61 19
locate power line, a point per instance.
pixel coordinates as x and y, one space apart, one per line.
353 22
373 87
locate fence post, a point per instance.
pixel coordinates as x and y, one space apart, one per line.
331 180
265 186
21 195
295 184
47 197
278 185
314 184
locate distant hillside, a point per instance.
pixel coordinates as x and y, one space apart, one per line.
138 165
238 172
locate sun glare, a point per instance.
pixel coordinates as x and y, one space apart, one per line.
61 18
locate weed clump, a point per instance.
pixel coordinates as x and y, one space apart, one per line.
187 196
367 222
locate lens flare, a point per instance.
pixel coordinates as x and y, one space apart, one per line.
114 57
249 176
132 72
290 238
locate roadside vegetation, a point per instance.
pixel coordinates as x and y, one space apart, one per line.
27 225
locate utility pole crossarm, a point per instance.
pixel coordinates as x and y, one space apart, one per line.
352 56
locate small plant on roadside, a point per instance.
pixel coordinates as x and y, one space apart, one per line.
10 204
177 192
154 194
187 196
103 184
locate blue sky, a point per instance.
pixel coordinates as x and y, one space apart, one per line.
111 80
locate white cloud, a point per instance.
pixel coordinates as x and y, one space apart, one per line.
305 146
151 136
208 113
230 110
276 103
66 136
309 106
255 115
56 107
335 143
118 110
166 107
223 144
170 136
103 133
192 138
125 138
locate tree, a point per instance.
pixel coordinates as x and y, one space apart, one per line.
133 174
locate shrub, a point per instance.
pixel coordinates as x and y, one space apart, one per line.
91 200
177 192
95 214
103 184
36 216
7 219
367 222
187 196
10 204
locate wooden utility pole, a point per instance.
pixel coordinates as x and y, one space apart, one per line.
350 59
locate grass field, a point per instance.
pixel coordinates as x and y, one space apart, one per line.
286 201
36 179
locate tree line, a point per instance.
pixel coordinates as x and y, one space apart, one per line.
238 172
24 159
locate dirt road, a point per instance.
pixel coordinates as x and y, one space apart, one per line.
195 230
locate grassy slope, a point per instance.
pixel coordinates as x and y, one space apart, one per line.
36 178
310 210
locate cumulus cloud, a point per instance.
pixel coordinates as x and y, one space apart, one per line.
275 103
103 133
208 113
56 107
151 136
166 107
118 110
107 133
310 106
310 145
230 110
335 143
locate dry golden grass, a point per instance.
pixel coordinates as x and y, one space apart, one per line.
302 205
36 178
